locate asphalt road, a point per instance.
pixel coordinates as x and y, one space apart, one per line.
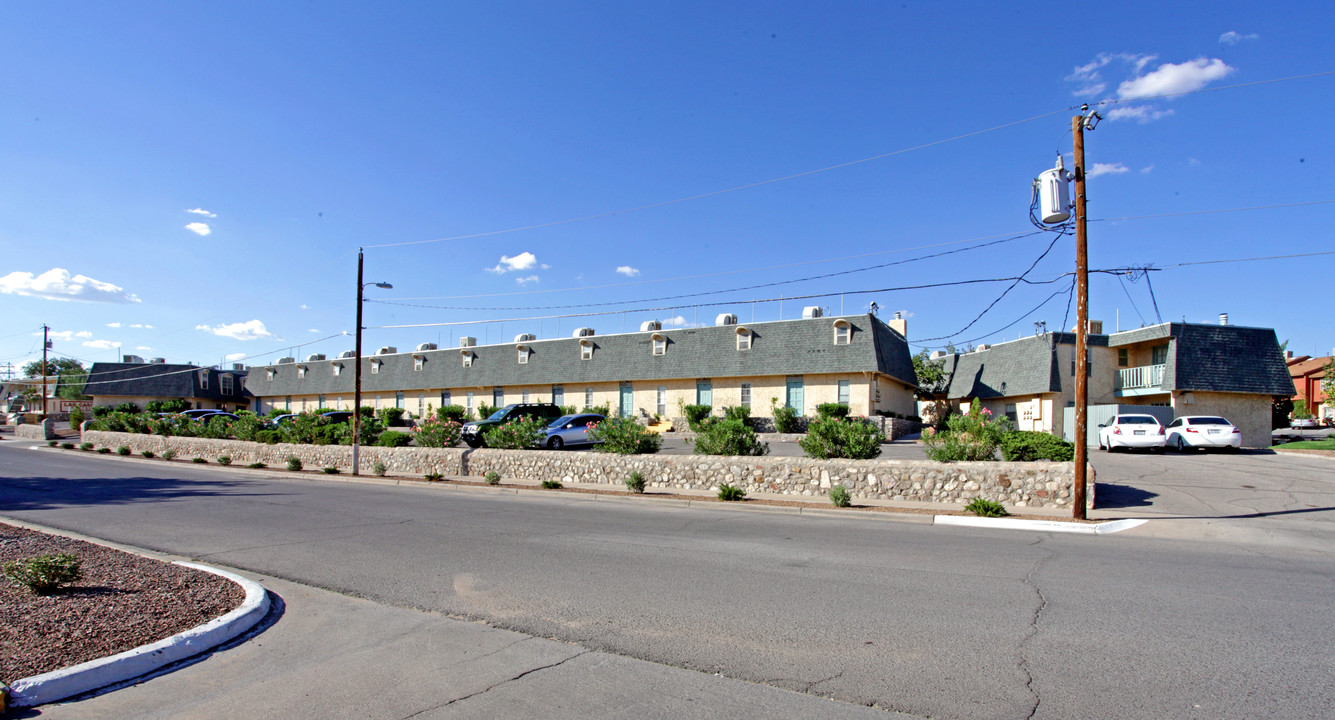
929 620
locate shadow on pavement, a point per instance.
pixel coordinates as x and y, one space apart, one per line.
44 493
1108 496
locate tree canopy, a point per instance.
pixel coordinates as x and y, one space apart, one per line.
54 366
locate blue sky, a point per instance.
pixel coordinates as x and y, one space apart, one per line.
193 182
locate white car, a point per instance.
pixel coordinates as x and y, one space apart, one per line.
1203 431
1132 431
1302 423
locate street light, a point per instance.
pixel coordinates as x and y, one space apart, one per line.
357 370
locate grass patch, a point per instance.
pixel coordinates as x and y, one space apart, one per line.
551 485
329 470
433 477
730 493
635 483
257 466
840 496
1327 444
492 477
986 508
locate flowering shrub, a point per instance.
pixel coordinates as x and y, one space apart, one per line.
833 437
695 414
973 436
624 436
728 436
438 432
516 434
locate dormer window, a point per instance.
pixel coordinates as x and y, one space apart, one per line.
467 357
268 375
843 332
301 371
338 369
204 380
660 344
375 367
585 350
417 362
743 339
523 355
225 384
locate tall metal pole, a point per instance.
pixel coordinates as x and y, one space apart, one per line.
46 343
357 378
1082 324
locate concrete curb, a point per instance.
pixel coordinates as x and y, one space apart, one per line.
1103 528
85 677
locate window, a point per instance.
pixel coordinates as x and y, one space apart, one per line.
844 390
585 350
558 395
1123 358
287 403
444 398
468 358
398 400
301 373
417 362
743 339
469 406
320 402
660 344
523 355
204 380
746 393
843 332
268 375
1012 414
1160 355
704 392
526 396
661 404
225 384
338 369
588 397
421 403
375 367
498 397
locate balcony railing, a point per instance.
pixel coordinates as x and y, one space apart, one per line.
1145 376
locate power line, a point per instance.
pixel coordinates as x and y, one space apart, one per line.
1210 212
1212 89
1253 259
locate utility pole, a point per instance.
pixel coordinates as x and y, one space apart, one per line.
1078 124
357 377
46 345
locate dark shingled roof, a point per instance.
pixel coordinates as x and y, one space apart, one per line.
161 380
787 347
1020 367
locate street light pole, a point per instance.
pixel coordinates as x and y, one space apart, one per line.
357 370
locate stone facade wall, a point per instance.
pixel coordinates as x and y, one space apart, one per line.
1037 484
892 428
44 430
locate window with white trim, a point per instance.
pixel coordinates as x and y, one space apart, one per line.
225 384
661 408
746 394
301 372
468 358
338 369
469 406
660 344
417 363
585 350
743 339
844 392
588 397
204 380
523 355
843 332
444 398
375 367
525 396
268 375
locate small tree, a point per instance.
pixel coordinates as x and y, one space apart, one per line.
974 436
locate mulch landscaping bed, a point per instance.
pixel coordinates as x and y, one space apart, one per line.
123 601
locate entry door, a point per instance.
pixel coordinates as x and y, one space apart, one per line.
704 393
627 400
794 399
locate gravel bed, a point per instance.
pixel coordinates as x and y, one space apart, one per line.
122 602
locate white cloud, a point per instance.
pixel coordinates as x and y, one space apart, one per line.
67 335
1232 37
677 321
202 211
304 306
1147 170
1193 162
1140 113
101 344
145 348
522 261
1090 76
252 330
233 357
58 284
199 228
114 325
313 330
628 271
1107 169
141 326
1090 89
527 280
1171 78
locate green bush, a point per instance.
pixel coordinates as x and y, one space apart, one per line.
785 418
224 460
393 438
199 461
492 477
123 450
438 432
257 466
85 446
605 410
169 454
294 463
738 412
330 471
52 443
127 407
832 410
986 508
635 483
76 417
67 445
1027 446
840 496
433 477
833 437
730 493
517 434
379 469
104 451
246 426
147 453
696 413
484 411
44 574
101 410
569 410
176 405
457 413
625 436
973 436
391 416
268 437
551 485
725 436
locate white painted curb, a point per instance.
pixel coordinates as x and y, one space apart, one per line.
84 677
1040 525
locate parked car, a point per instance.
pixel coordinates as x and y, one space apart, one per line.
570 431
1203 431
337 416
1132 431
277 420
198 413
1303 423
473 431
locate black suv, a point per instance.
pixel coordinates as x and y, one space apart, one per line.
473 431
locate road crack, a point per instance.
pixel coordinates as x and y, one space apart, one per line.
1041 605
493 687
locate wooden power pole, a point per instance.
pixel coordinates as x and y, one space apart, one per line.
1082 325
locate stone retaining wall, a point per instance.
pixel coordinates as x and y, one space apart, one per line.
1036 484
892 428
44 430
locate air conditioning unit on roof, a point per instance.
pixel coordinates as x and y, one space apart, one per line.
347 354
314 357
467 341
387 350
650 326
812 311
286 360
525 337
133 359
158 361
726 319
427 346
582 332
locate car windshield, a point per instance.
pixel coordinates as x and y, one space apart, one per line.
500 413
1137 420
1207 421
561 421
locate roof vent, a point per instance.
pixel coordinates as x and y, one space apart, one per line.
133 359
812 311
467 341
726 319
427 346
982 347
314 357
938 354
583 332
286 360
158 361
525 337
1223 318
650 326
347 353
238 366
387 350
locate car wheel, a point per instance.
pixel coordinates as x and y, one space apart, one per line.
475 443
1181 444
555 444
